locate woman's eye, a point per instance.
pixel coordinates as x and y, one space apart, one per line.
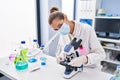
59 25
56 29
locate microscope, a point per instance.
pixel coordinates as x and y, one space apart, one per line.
71 52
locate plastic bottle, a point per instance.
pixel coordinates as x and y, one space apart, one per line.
42 46
35 50
35 44
23 45
43 49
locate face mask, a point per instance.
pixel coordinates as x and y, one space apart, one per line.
65 29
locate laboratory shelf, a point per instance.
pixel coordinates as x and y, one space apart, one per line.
111 61
111 48
106 17
109 40
84 17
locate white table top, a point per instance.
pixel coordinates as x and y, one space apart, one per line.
51 71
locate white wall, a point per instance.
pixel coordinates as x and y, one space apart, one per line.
17 22
68 8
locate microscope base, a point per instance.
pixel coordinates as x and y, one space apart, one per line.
70 75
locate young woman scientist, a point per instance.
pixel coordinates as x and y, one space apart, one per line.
92 50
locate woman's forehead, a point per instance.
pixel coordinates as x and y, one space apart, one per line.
56 22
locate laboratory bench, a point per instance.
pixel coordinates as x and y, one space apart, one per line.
51 71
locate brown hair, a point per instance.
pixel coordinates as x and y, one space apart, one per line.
53 9
54 13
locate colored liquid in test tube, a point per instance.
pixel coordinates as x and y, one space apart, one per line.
43 61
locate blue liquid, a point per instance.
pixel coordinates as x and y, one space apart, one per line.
43 63
21 65
32 60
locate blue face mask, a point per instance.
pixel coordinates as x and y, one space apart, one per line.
65 29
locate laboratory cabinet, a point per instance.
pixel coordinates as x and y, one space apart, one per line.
112 50
108 33
104 17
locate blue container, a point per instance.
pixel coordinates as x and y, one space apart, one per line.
43 61
21 65
32 60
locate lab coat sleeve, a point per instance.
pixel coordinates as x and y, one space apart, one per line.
60 46
97 52
63 40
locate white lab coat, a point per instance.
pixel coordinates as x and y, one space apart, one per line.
94 50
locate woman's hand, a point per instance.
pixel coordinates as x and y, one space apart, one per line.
78 61
61 57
